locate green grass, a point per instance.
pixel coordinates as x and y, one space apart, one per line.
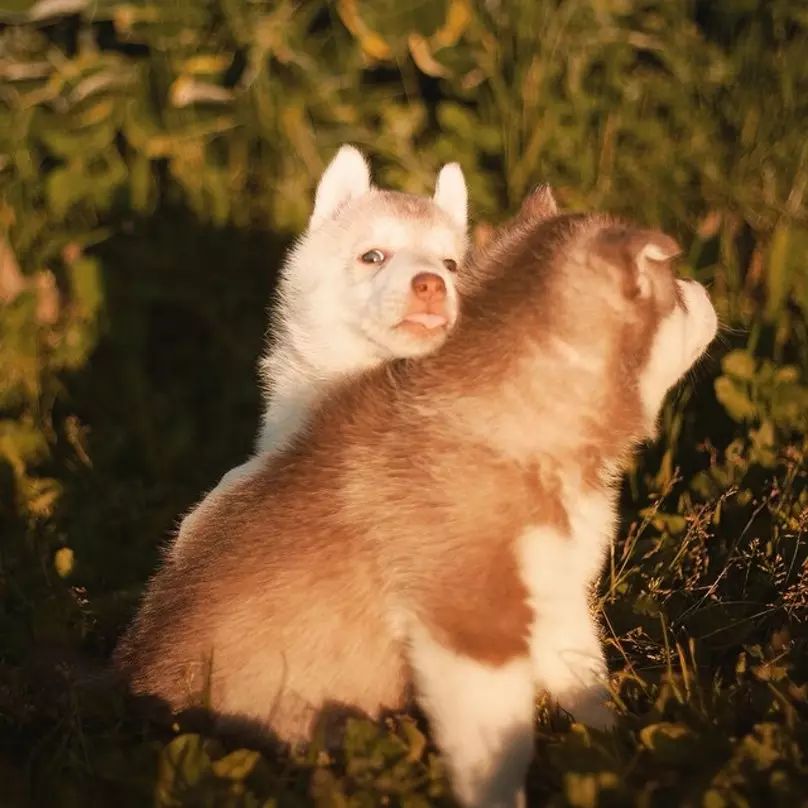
147 235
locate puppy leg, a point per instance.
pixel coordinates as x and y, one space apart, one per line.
565 645
568 660
481 716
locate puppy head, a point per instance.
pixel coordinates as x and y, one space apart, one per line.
383 264
628 304
590 316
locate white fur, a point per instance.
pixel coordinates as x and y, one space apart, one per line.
559 571
451 194
346 177
482 719
680 339
654 252
336 316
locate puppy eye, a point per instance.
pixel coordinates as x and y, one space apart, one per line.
450 264
373 257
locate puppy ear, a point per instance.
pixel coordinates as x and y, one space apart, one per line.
649 249
638 253
538 204
346 177
653 245
451 194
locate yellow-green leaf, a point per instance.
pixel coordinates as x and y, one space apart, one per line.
237 765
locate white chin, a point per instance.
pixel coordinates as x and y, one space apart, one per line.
702 321
414 341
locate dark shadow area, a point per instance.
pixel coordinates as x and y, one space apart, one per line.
96 702
167 403
170 395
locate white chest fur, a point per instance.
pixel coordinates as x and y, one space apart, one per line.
482 714
559 569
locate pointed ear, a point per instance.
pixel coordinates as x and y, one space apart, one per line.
637 253
650 248
539 204
653 245
346 177
451 194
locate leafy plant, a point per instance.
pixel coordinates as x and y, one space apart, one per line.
155 158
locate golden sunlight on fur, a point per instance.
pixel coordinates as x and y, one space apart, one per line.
439 524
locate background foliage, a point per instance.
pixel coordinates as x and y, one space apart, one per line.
155 158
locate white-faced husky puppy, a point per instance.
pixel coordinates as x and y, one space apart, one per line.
373 277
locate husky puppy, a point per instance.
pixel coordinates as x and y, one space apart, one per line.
373 277
441 521
335 319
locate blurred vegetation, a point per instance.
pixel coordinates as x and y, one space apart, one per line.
156 157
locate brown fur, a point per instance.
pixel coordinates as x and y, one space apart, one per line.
404 498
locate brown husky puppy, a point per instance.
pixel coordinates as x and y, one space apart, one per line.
441 520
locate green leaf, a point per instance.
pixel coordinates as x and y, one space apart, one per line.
735 401
64 187
326 790
237 765
713 799
416 740
86 285
740 364
184 763
669 741
779 270
646 605
585 789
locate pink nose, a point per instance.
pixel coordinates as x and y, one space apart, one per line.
429 288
